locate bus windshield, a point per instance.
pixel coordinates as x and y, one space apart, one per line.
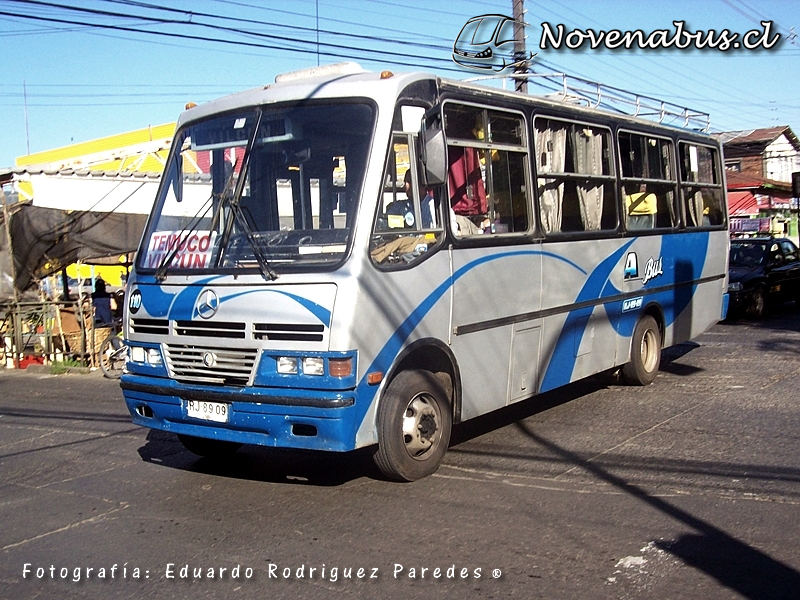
261 189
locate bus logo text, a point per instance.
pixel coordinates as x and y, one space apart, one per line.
652 269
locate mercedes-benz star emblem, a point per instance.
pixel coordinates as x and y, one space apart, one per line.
207 304
209 359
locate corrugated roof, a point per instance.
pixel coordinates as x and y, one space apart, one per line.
736 180
752 138
742 204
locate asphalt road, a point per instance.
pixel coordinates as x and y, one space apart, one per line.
689 488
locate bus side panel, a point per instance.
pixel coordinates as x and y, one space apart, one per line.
394 309
700 256
489 287
678 276
581 330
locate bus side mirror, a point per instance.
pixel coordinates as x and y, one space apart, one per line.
434 156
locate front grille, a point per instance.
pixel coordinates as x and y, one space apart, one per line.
291 332
223 366
217 329
150 326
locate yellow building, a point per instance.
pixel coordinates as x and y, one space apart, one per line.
117 173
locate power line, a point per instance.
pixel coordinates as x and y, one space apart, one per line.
385 56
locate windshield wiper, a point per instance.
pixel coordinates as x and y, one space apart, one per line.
267 272
231 199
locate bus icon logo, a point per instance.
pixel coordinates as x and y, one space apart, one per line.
631 266
487 42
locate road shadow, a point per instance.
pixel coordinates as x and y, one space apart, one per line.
734 564
519 411
268 465
780 317
674 353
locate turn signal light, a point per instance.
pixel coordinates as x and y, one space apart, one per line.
340 367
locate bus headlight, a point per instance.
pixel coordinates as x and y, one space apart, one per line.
137 354
313 365
154 356
323 370
147 356
287 365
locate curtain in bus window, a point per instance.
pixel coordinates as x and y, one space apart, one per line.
695 205
588 147
668 172
467 190
551 151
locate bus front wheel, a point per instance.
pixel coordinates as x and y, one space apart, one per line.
414 424
645 353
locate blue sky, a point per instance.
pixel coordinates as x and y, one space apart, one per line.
118 65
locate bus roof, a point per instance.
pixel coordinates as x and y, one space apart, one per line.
580 95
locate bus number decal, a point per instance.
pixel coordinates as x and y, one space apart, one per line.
632 303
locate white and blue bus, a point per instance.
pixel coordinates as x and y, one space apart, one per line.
345 259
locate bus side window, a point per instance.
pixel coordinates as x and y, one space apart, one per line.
408 221
701 188
575 177
487 166
648 181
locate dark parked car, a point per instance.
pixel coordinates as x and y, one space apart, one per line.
763 271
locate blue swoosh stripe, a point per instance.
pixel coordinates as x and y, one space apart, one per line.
383 360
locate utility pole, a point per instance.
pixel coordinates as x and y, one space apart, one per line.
520 84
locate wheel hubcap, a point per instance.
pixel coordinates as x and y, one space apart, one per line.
421 426
648 350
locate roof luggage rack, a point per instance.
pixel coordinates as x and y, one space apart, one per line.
575 90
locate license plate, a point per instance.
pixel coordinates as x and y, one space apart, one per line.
208 411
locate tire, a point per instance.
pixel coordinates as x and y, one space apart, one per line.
207 447
757 303
645 353
113 356
414 425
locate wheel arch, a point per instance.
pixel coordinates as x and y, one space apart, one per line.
654 310
433 355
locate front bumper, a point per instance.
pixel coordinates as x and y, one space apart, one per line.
740 299
282 418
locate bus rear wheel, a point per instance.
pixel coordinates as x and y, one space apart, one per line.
645 353
414 425
207 447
